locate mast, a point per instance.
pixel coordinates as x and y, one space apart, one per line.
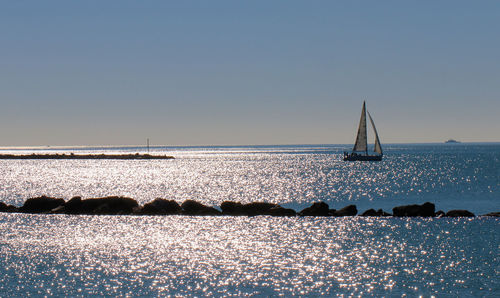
361 142
378 148
148 144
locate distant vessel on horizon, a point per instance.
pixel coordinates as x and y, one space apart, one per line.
360 150
452 141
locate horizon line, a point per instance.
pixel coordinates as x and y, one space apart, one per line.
38 147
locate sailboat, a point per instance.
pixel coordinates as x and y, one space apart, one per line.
360 150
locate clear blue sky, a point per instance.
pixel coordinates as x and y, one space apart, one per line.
247 72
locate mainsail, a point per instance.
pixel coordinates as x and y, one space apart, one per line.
361 143
378 148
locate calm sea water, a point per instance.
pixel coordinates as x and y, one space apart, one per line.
127 255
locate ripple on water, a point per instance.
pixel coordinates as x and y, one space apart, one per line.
122 255
462 177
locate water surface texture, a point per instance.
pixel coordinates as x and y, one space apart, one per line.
263 256
453 176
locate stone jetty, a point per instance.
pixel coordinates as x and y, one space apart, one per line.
118 205
85 156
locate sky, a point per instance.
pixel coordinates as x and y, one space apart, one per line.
247 72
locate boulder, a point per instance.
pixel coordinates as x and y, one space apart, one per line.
232 208
280 211
7 208
160 207
73 206
425 210
3 207
254 209
259 208
495 214
103 206
316 209
41 204
191 207
459 213
370 212
383 213
350 210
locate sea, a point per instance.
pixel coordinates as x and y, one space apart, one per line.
79 256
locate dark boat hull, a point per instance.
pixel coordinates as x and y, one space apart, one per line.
359 157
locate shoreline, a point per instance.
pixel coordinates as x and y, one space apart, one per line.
84 156
116 205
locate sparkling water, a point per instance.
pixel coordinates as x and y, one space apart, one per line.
176 255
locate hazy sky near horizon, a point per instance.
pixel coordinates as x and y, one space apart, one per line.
247 72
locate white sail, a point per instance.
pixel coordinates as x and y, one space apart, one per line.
361 142
378 148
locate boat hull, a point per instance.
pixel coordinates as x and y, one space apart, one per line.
359 157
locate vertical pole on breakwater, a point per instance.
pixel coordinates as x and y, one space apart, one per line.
148 145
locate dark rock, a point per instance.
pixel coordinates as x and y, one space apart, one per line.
440 213
232 208
191 207
103 206
41 204
370 212
7 208
350 210
316 209
459 213
383 213
331 212
495 214
258 208
73 206
425 210
254 209
280 211
160 207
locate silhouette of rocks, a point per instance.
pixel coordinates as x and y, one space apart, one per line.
103 206
259 208
280 211
85 156
459 213
232 208
73 206
253 209
115 205
495 214
41 204
425 210
350 210
191 207
160 207
369 212
7 208
316 209
372 212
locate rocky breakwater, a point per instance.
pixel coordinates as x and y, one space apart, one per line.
85 156
117 205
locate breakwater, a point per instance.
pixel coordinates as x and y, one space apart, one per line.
116 205
85 156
